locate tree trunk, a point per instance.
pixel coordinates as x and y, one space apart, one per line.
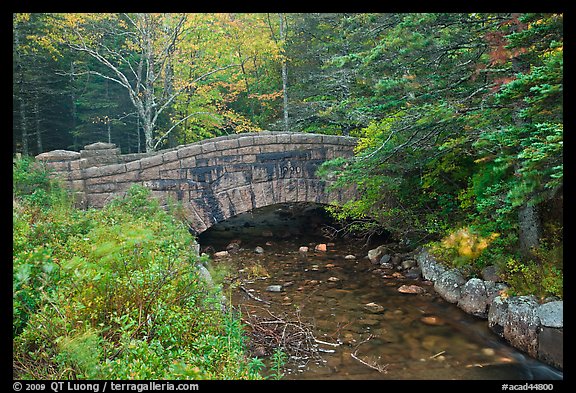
73 113
21 91
38 130
24 130
530 229
284 73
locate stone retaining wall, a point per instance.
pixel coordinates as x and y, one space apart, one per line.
534 328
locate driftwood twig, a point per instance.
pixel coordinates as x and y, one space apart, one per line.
372 365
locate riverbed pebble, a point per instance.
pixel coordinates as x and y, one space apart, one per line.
373 307
412 289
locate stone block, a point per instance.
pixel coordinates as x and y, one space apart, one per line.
172 174
100 146
289 190
113 169
248 150
170 156
99 200
98 153
149 162
99 161
77 185
208 147
58 155
230 180
99 188
264 140
315 139
76 174
245 141
226 144
129 176
133 165
75 165
189 151
284 139
241 198
263 194
551 346
58 166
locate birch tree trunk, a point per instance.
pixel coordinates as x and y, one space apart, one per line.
284 73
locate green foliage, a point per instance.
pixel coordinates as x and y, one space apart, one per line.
542 276
118 297
462 127
278 359
32 183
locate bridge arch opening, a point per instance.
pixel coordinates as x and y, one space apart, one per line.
306 222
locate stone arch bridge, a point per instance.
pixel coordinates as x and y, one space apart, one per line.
213 179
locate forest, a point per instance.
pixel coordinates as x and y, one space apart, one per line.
459 116
464 108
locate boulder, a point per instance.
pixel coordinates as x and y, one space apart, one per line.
375 254
522 324
551 314
414 274
449 285
431 270
498 315
408 264
385 259
551 346
474 298
320 247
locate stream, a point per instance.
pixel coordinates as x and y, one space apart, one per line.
349 310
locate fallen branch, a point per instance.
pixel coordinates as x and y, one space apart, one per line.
438 354
254 297
373 365
292 336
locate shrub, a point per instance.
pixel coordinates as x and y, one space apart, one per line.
115 295
463 247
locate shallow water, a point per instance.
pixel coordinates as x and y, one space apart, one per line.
363 326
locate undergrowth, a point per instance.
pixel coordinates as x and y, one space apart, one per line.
113 293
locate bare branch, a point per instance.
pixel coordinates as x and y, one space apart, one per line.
176 125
